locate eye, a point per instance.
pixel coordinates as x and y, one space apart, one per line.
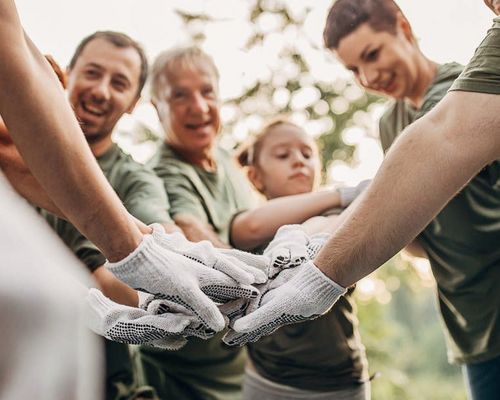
119 85
91 73
307 153
178 95
372 55
282 155
208 92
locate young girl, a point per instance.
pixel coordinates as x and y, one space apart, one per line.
318 359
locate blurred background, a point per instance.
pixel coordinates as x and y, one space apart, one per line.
271 60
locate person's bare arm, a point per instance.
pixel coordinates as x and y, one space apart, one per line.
195 230
494 5
433 159
114 288
253 227
46 132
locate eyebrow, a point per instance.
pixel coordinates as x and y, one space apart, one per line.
118 74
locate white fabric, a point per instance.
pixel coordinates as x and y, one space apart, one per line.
349 194
234 263
174 277
134 325
288 249
306 294
46 350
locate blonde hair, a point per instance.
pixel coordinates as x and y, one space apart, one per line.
249 152
175 59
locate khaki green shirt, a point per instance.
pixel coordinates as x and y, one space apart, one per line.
203 369
138 188
462 243
325 354
482 73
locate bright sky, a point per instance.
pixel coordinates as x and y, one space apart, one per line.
447 29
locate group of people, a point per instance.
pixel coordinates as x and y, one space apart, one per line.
183 261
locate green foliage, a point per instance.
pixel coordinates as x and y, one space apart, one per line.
404 341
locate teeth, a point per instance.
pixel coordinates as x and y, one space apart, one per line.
93 110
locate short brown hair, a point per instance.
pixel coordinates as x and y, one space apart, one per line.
346 16
120 40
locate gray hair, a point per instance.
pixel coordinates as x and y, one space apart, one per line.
175 59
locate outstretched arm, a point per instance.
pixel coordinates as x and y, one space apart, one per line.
48 137
433 159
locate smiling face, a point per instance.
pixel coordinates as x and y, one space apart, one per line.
189 109
102 86
287 164
381 61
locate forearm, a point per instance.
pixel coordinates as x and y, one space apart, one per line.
253 227
431 161
114 288
196 231
48 137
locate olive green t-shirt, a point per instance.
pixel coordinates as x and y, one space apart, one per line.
482 73
325 354
462 243
140 190
203 369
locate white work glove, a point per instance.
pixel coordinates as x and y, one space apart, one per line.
316 243
156 306
306 294
348 194
171 276
238 308
134 325
288 249
243 267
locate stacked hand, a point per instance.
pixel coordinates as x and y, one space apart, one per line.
192 277
295 294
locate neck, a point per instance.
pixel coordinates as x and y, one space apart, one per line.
100 145
427 73
205 159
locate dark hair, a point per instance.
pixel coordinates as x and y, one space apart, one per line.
346 16
118 39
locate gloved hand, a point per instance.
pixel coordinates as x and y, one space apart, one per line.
307 294
134 325
288 249
316 243
236 309
171 276
234 263
349 194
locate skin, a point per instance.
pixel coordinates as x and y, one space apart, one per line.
386 63
286 173
102 86
189 112
58 155
391 65
493 5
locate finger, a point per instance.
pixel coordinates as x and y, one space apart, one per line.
224 293
235 269
253 263
170 343
204 308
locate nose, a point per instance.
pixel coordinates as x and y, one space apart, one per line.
100 90
298 159
199 104
368 76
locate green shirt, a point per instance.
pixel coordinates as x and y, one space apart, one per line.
482 73
462 243
138 188
203 369
325 354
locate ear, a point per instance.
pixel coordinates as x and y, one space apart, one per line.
133 104
404 26
255 176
